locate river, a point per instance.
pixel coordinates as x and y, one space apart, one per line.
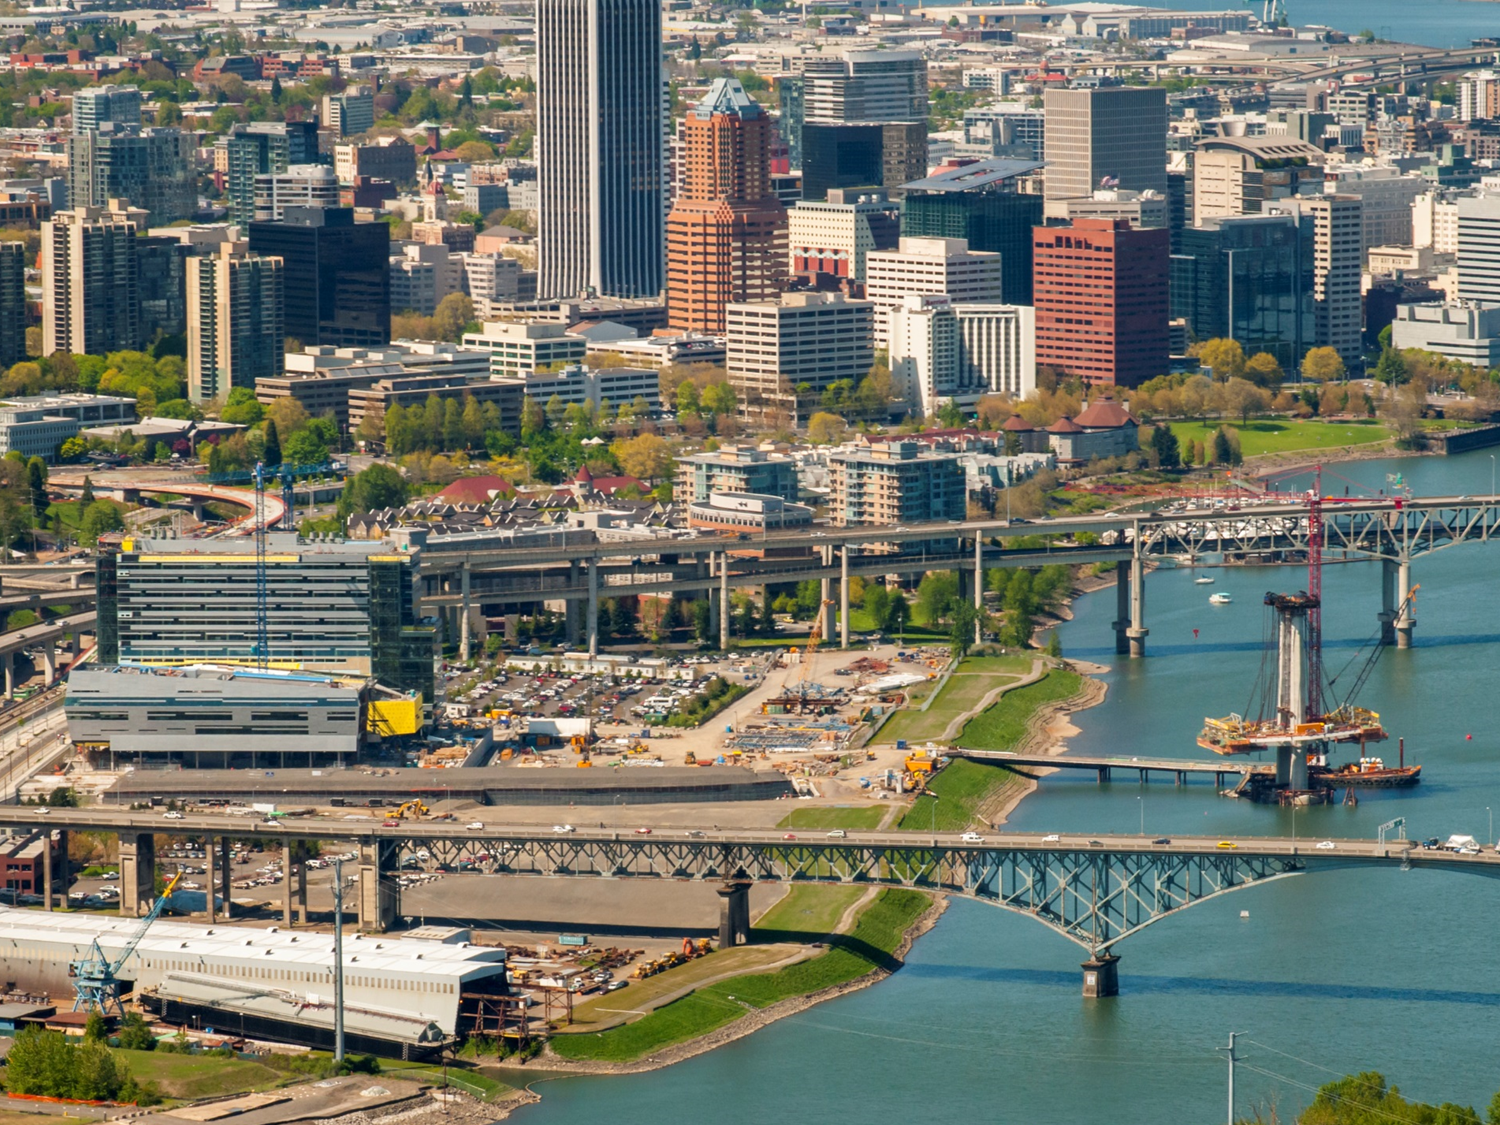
1330 973
1433 23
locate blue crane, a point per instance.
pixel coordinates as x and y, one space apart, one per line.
96 979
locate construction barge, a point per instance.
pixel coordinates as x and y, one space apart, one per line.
1293 722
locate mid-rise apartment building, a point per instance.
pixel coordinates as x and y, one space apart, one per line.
235 331
735 469
519 349
151 167
895 483
91 280
301 185
941 352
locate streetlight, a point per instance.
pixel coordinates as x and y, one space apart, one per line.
1492 825
1492 474
1141 800
933 806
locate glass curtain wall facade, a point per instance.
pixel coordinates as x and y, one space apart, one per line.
1249 279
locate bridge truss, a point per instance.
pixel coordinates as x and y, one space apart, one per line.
1093 897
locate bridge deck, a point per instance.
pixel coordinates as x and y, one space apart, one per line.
1087 762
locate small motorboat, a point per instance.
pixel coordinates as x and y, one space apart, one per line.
1220 598
1204 581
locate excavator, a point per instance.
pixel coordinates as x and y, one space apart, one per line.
413 808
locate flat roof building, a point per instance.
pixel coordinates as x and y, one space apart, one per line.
344 607
737 469
519 349
812 339
895 482
213 715
929 265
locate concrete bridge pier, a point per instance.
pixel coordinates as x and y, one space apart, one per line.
210 878
1406 614
593 616
137 873
844 596
464 613
1387 601
1291 767
1136 634
294 887
978 589
734 913
378 891
1122 608
9 660
226 877
1101 976
572 607
724 606
49 660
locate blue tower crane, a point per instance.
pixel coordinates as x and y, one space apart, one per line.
96 979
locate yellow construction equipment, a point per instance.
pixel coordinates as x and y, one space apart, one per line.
412 808
690 759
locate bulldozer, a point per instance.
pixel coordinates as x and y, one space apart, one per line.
690 759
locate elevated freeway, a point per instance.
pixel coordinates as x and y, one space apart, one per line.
499 572
1095 891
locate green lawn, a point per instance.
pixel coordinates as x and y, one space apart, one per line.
809 910
191 1077
469 1081
961 787
1017 664
865 816
1284 435
1003 725
868 946
961 693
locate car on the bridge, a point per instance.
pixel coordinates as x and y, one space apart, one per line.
1052 838
1162 840
696 833
790 836
1227 844
972 838
643 831
475 826
563 828
1326 846
837 834
172 815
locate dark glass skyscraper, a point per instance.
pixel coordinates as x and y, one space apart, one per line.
337 280
599 148
1249 278
979 202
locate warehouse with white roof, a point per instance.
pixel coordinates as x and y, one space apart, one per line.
404 996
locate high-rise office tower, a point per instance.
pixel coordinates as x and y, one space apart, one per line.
90 280
350 112
1100 292
151 167
234 332
979 203
337 275
12 302
866 86
848 155
118 105
1479 249
1108 136
259 149
1248 278
726 237
599 146
1337 223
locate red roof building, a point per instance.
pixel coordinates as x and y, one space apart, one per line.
476 490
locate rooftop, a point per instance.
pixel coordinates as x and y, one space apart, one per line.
980 174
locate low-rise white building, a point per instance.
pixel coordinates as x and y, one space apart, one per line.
942 351
593 387
519 349
1467 331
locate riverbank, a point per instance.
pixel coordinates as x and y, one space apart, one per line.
881 934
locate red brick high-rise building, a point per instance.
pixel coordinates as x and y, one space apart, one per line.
1100 289
726 235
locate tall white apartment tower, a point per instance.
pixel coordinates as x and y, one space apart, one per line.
1479 249
599 148
91 301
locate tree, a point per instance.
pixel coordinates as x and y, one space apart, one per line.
379 486
702 620
961 633
276 88
135 1033
936 595
306 447
1242 397
271 451
687 398
1224 357
36 486
86 497
718 398
100 517
646 456
1263 370
1391 367
1222 453
533 420
1323 365
453 314
95 1030
1164 445
826 429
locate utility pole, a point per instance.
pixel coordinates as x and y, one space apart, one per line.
338 962
1233 1058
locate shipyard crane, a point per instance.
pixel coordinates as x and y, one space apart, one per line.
262 613
96 979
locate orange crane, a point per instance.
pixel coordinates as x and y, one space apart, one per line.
813 640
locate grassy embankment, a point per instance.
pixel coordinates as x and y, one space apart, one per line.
865 816
975 677
963 787
868 946
1286 435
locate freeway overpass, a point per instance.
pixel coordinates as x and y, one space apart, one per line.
46 634
1095 891
497 571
